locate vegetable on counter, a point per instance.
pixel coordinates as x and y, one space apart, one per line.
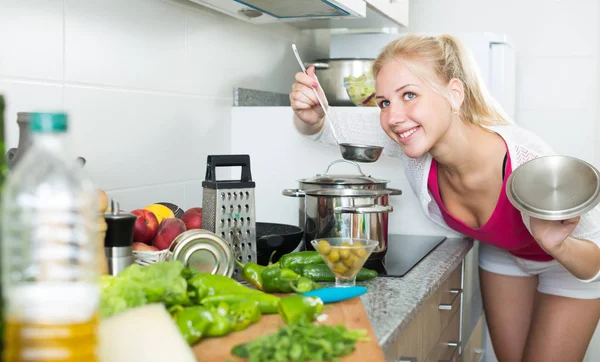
282 280
298 308
322 273
297 260
201 304
276 279
208 285
251 272
136 286
302 342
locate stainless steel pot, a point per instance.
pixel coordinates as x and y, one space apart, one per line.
344 183
348 213
331 74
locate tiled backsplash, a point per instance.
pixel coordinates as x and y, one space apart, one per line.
148 84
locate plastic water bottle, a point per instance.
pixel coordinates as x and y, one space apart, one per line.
50 270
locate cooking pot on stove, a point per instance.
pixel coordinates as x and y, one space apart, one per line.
317 210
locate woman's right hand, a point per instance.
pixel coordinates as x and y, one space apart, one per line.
303 100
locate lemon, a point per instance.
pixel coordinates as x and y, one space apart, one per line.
160 211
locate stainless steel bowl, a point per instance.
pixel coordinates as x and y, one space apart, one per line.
554 187
360 153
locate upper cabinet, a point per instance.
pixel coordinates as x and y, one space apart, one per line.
316 14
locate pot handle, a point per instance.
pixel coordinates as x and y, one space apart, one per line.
317 65
395 192
293 192
346 161
367 209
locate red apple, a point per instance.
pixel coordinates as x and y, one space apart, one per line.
145 227
143 247
193 218
168 230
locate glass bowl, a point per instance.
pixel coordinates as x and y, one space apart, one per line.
361 90
345 257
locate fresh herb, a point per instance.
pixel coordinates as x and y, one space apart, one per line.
302 342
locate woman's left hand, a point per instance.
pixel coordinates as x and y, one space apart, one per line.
550 234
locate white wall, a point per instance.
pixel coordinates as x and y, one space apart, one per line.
557 67
148 84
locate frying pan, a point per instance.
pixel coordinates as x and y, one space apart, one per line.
282 238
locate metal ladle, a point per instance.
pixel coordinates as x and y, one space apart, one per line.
350 151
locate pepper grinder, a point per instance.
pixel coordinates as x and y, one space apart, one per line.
118 241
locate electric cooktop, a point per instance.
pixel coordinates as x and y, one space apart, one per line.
403 253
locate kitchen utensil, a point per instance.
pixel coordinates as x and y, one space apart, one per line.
340 75
347 213
280 238
204 251
554 187
118 240
335 294
229 209
344 256
327 180
364 153
177 211
350 313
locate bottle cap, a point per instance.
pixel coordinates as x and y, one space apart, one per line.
48 122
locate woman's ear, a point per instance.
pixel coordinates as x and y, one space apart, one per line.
457 92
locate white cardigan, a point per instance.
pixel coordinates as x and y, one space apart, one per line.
361 125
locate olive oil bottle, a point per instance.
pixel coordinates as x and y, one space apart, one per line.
3 170
49 252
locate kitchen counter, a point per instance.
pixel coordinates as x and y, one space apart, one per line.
391 303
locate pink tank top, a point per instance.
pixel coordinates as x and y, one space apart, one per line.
504 229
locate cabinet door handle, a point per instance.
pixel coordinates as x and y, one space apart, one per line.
407 359
458 292
481 353
451 344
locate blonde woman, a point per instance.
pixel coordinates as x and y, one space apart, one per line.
539 279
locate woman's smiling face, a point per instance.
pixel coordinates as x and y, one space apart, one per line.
412 113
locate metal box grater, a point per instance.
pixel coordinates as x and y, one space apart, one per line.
228 208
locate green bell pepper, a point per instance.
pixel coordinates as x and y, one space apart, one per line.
209 285
193 322
243 314
297 308
251 272
220 326
282 280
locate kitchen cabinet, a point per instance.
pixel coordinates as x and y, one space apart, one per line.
367 15
380 14
396 11
473 350
439 331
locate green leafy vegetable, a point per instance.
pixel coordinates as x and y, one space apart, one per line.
118 295
302 342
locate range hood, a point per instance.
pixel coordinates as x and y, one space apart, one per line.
272 11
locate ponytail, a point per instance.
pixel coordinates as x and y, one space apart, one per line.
449 59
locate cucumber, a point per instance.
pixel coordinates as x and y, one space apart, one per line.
322 273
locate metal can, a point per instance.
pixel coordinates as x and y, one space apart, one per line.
204 251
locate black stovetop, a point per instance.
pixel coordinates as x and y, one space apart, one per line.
403 253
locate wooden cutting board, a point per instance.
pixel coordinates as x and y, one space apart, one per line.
350 312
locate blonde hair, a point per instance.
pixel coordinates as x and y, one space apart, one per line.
448 59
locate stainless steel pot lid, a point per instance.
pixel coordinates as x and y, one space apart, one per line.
554 187
347 193
358 179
